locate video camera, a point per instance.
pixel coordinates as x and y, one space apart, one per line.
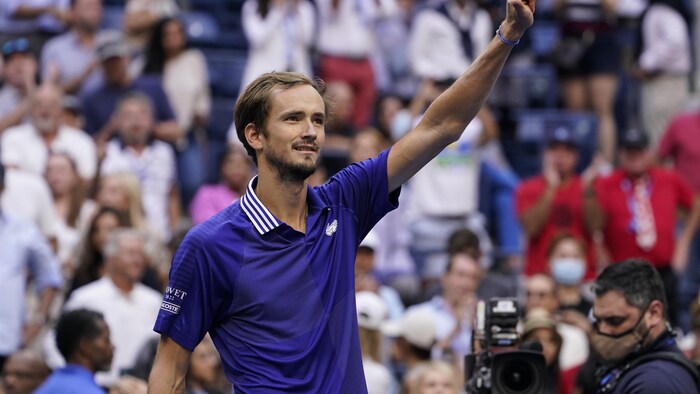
501 367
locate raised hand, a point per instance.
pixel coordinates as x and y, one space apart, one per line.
519 17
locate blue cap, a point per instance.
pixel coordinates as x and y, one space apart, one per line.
19 45
562 135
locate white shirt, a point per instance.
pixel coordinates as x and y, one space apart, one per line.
574 346
27 196
435 49
23 147
666 41
445 323
155 169
130 318
280 41
348 31
186 82
377 376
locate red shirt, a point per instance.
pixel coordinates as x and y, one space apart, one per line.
668 193
682 142
566 215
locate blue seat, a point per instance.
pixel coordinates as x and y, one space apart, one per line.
544 37
534 128
221 118
225 71
526 86
112 18
201 27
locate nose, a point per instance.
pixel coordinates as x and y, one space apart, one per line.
309 131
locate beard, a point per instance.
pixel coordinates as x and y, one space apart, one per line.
289 172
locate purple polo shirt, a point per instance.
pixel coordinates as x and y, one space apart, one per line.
279 304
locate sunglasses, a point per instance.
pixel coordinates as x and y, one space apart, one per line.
19 45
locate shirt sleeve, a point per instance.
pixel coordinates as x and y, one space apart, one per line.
364 188
42 263
164 111
9 155
686 196
667 144
525 197
193 298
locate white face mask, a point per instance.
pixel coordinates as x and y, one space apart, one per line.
568 271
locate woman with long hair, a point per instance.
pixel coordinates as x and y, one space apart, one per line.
183 71
123 192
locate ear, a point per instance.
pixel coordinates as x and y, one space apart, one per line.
655 315
254 136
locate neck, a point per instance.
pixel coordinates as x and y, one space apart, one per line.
172 54
122 283
569 295
285 200
85 36
82 361
62 204
139 148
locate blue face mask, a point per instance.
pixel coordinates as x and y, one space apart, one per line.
568 271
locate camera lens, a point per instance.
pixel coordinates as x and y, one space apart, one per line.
517 376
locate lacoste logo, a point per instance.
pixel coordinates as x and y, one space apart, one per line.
330 229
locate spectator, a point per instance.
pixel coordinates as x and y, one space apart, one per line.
100 104
280 34
345 43
371 312
447 38
186 82
122 192
71 56
203 372
20 72
23 373
90 258
129 307
141 15
566 255
636 209
367 278
589 63
339 127
415 336
152 161
236 171
37 20
663 64
72 112
83 338
24 250
27 146
71 204
390 58
540 292
437 377
28 197
630 323
553 202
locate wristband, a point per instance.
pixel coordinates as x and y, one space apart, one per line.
505 40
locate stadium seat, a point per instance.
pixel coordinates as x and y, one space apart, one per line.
201 27
525 86
225 71
544 37
221 118
112 17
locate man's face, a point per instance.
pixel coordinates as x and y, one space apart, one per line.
130 260
463 277
19 68
100 348
635 161
540 293
562 157
21 375
136 122
115 70
613 314
294 133
47 111
87 14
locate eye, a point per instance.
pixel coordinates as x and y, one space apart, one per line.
292 118
319 120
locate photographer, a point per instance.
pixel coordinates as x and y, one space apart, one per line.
632 336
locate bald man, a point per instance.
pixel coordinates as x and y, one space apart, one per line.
24 372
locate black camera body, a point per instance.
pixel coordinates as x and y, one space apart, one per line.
501 367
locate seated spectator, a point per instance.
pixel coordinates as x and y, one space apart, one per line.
129 307
71 204
83 338
72 112
20 73
234 175
203 372
539 326
71 56
367 279
567 263
100 104
26 258
152 161
37 20
339 130
122 192
89 265
24 372
437 377
27 146
371 313
185 79
28 197
141 15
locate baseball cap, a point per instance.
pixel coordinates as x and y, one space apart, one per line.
634 139
371 310
562 135
19 45
417 327
111 44
538 318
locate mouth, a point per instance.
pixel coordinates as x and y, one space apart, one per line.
308 148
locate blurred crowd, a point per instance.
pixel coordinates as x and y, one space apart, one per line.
116 138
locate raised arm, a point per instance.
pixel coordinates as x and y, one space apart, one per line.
169 368
449 115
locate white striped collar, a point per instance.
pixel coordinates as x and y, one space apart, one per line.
263 220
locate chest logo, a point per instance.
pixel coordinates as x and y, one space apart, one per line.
332 227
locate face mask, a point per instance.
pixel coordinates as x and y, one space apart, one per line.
613 349
568 271
401 124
